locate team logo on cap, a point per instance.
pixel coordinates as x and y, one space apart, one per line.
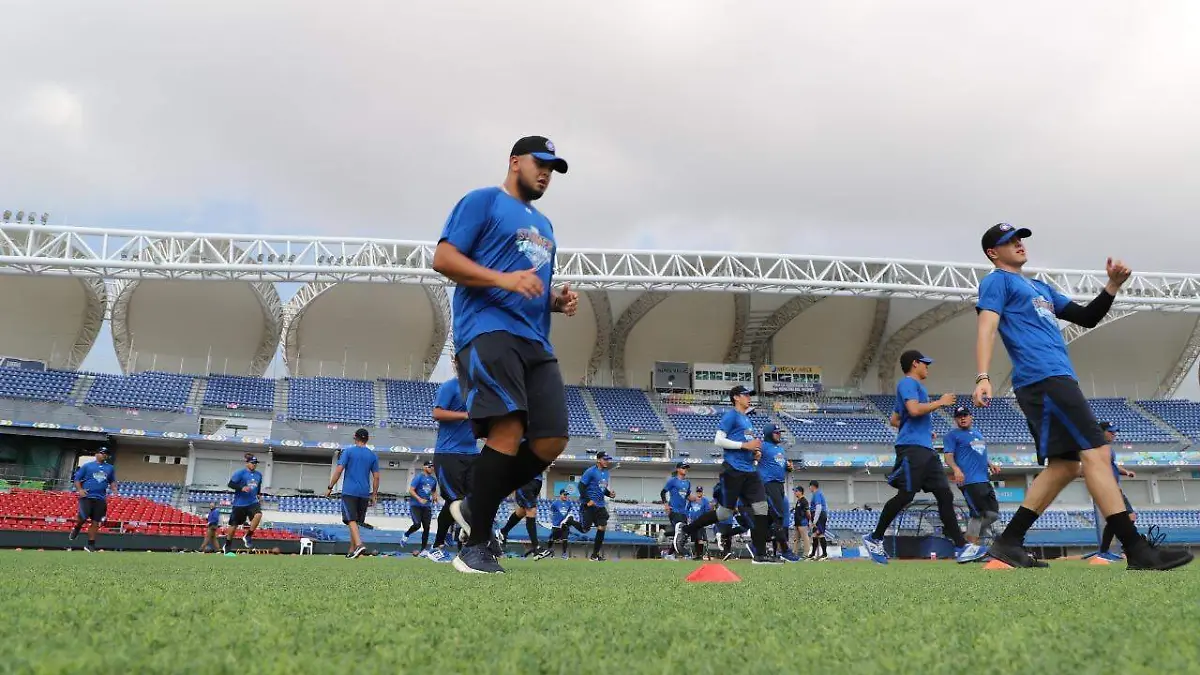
549 146
1005 227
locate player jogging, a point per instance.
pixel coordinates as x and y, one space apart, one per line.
593 509
454 455
358 469
247 509
698 505
918 467
967 456
675 497
422 494
739 477
560 514
820 520
93 481
1065 431
1106 539
499 250
210 530
802 542
773 468
526 498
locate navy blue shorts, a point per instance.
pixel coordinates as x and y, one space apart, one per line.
454 472
502 374
354 509
981 499
918 469
93 509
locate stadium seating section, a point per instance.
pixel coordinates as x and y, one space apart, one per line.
410 404
579 418
37 385
146 391
626 410
816 429
249 393
328 399
693 427
1183 416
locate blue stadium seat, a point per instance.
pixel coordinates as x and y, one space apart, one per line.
145 391
410 404
1183 416
37 385
331 399
1135 427
233 391
626 410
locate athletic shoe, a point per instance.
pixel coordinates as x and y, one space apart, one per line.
566 557
1146 555
477 559
502 538
357 552
1014 555
462 515
971 553
597 558
678 540
440 555
74 534
87 548
790 557
729 556
766 560
542 554
246 540
668 556
875 549
1109 556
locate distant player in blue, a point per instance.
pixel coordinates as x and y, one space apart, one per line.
499 250
247 509
737 439
1065 430
454 456
209 545
593 507
526 498
93 481
967 456
698 505
1106 539
422 495
560 513
773 468
358 468
819 517
675 497
918 468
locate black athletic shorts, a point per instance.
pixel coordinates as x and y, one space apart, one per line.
1059 418
918 469
593 515
777 506
244 514
981 498
420 513
1128 506
93 509
501 374
701 535
744 485
454 473
527 494
354 509
676 518
818 529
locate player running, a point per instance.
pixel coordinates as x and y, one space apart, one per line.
800 513
422 495
918 467
454 455
739 477
1106 539
967 456
247 507
527 499
560 513
209 545
499 250
820 520
676 497
773 468
1026 312
358 469
93 481
593 509
698 505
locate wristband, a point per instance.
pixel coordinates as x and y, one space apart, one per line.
981 377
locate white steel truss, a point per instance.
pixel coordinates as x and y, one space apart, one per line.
133 254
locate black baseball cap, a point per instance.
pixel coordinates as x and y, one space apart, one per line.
1000 234
251 459
962 411
563 492
540 147
428 462
908 358
700 490
739 390
603 455
1110 427
683 465
102 449
361 435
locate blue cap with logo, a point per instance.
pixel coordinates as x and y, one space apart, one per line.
541 148
1001 233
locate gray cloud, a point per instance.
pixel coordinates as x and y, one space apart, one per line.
857 128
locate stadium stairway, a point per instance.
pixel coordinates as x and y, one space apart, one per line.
281 396
594 411
660 409
381 407
1151 409
195 398
81 387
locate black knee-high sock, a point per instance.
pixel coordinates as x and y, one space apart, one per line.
891 509
493 482
512 522
565 539
1123 528
758 533
1106 539
598 543
528 465
444 521
413 528
950 526
824 547
699 550
531 528
709 518
571 522
1021 521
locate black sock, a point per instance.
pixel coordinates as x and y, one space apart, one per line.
415 526
444 521
565 540
1021 521
709 518
512 522
824 547
891 509
950 526
528 465
598 543
1106 539
758 534
531 528
424 537
91 542
1123 528
699 550
493 482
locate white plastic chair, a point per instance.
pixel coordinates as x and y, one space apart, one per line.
306 544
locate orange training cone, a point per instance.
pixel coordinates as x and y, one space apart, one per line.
713 574
996 565
1097 560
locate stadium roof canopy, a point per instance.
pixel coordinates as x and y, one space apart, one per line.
376 307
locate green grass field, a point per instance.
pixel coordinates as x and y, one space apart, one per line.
134 613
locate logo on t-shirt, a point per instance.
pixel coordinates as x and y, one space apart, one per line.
99 476
534 246
1044 308
979 447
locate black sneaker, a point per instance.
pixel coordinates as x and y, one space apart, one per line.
1146 555
678 540
357 552
766 560
88 548
597 558
74 534
729 555
477 560
542 554
1014 555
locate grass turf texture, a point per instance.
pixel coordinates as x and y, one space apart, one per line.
169 613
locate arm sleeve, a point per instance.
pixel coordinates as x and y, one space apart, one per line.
723 442
991 294
818 509
662 496
1087 316
467 220
236 481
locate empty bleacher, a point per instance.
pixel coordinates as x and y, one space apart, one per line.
579 418
329 399
626 410
853 430
410 404
36 385
1135 427
160 493
1183 416
145 391
237 392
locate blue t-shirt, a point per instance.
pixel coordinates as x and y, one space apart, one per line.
424 486
677 493
970 454
358 462
1028 312
95 479
913 430
698 508
772 467
559 510
817 503
592 485
214 517
245 478
501 233
455 438
737 427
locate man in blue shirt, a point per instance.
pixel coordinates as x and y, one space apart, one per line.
359 466
918 467
422 495
1110 435
1065 430
773 468
454 456
499 250
966 455
560 514
698 505
675 497
246 484
93 481
820 520
593 509
737 439
210 532
526 498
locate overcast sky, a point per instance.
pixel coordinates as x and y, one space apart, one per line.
845 128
